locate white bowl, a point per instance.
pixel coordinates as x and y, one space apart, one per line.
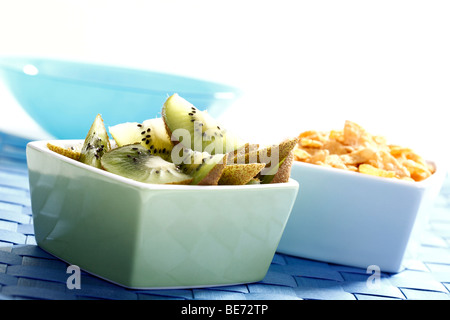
154 236
354 219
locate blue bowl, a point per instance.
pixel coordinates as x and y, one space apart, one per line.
63 97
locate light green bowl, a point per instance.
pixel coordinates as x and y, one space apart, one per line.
154 236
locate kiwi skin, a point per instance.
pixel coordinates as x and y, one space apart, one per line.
239 174
213 177
68 152
284 171
258 155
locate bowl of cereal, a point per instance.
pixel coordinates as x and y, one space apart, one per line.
363 201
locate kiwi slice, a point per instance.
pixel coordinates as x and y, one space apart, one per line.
95 144
279 173
72 152
284 171
196 129
239 174
264 155
254 181
274 157
151 134
204 168
136 162
241 151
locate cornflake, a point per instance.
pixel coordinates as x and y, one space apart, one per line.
354 149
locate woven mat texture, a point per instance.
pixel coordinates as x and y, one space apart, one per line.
27 272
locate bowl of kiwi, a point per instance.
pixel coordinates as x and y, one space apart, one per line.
60 95
174 201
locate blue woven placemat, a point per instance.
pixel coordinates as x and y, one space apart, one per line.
27 272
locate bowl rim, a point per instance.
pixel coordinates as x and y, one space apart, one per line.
223 91
439 172
41 146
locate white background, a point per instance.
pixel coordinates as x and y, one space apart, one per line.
304 64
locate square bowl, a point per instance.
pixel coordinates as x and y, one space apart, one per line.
354 219
154 236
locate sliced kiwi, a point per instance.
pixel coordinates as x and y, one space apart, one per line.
279 173
204 168
273 156
151 134
267 154
254 181
95 144
136 162
284 171
196 129
239 174
241 151
72 152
